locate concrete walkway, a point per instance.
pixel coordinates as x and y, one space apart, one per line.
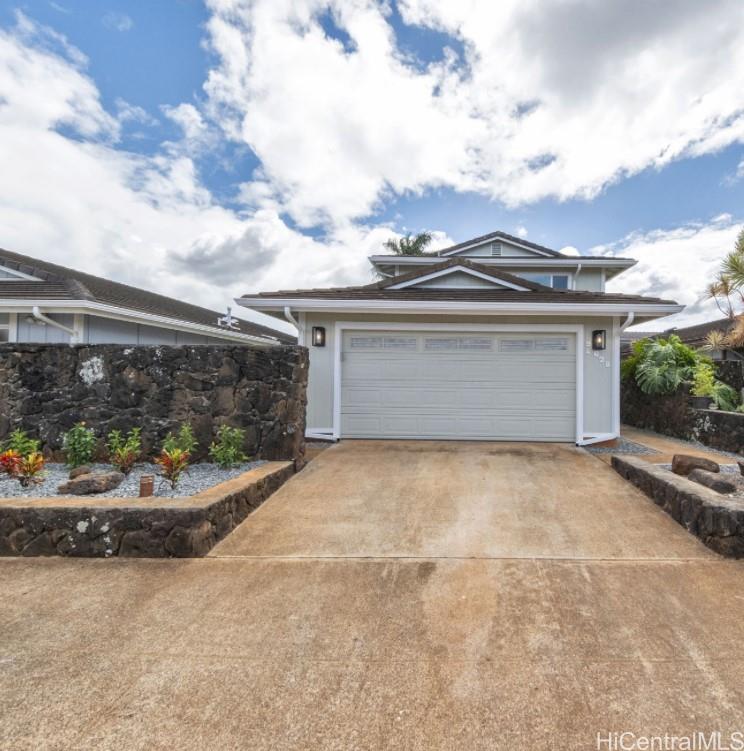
391 596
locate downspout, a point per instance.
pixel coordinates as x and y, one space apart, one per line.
39 316
628 321
576 275
291 319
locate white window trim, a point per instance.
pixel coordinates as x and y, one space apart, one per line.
493 278
576 329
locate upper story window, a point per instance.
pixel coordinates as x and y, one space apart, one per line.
556 281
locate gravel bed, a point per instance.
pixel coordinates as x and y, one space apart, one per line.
623 447
197 478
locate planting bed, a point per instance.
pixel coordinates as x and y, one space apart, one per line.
197 478
107 525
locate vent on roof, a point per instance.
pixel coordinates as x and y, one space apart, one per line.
496 249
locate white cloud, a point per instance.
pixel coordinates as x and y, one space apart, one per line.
675 264
521 231
117 21
554 98
337 131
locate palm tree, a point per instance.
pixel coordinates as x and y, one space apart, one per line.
730 279
408 245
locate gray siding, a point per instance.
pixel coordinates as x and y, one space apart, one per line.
34 333
109 331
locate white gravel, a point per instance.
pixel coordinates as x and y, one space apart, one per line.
198 477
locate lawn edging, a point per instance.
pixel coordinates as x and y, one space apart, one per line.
717 520
136 527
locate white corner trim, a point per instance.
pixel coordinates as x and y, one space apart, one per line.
457 269
588 440
576 329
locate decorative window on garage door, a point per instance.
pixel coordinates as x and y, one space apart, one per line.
457 343
400 343
553 344
516 345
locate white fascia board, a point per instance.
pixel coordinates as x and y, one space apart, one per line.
455 270
572 262
132 316
653 310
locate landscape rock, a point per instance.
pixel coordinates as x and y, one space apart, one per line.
714 481
94 482
741 467
683 464
82 470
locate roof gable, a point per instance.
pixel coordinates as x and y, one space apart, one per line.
455 272
498 244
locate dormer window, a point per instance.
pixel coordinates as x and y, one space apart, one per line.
556 281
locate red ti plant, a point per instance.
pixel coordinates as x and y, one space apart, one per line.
173 463
30 469
10 462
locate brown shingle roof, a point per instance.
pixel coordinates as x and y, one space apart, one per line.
496 274
61 283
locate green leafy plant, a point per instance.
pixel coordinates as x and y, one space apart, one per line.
227 450
173 463
704 380
725 397
21 443
661 366
184 440
78 444
30 468
124 451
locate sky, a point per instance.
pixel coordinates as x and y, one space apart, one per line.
209 149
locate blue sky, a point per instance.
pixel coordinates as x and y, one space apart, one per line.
279 143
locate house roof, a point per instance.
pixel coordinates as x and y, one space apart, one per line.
535 293
464 263
498 235
59 283
696 335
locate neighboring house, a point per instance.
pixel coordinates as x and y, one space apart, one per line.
43 302
697 337
693 336
495 338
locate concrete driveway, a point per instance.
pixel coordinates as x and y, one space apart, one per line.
391 596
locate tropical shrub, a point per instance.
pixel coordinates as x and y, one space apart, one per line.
21 443
183 440
30 469
10 462
704 380
662 365
78 444
725 397
124 451
227 450
173 463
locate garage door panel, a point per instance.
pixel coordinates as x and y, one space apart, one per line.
524 389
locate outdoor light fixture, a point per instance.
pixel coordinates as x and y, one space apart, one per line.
599 339
318 336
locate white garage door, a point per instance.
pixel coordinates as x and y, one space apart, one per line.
399 384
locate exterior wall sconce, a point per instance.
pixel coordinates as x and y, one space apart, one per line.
318 337
599 339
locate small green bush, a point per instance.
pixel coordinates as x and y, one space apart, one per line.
124 451
184 440
227 450
78 444
704 380
21 444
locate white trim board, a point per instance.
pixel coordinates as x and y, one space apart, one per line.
424 307
494 278
576 329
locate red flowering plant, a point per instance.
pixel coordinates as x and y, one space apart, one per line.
173 463
10 462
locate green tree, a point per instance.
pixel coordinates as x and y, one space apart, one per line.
410 245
